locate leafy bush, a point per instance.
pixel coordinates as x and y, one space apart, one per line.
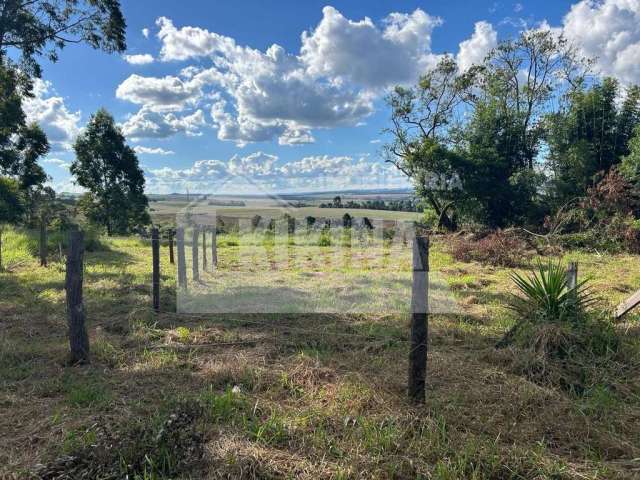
430 218
325 238
498 248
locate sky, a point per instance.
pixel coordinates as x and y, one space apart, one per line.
284 95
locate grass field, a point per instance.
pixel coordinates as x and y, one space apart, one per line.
294 395
166 210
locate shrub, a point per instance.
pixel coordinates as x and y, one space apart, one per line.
325 238
430 218
547 297
559 338
498 248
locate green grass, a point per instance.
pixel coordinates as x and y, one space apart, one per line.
298 395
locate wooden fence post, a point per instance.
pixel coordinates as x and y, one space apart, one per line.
78 338
155 250
204 248
572 275
171 247
214 247
194 253
419 320
182 262
43 243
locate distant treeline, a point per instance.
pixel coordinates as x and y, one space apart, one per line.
405 205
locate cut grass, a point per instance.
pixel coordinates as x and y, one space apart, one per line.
298 396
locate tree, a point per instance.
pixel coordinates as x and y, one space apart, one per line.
500 189
43 27
630 166
421 118
588 136
471 141
11 206
108 168
21 144
524 76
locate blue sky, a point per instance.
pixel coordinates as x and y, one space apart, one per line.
211 89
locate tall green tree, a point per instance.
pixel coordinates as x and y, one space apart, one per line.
421 147
36 28
500 188
588 135
108 168
21 144
630 165
471 141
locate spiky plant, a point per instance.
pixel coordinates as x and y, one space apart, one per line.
547 297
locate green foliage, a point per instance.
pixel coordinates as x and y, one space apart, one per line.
325 238
21 144
630 166
547 297
41 27
107 167
11 201
590 134
85 392
483 167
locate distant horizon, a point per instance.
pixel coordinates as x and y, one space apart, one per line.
356 191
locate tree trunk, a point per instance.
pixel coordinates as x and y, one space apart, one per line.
78 337
1 267
444 221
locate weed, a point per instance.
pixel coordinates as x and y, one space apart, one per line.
85 392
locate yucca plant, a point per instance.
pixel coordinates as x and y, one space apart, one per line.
547 297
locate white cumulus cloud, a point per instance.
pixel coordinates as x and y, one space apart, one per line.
332 81
165 93
266 171
371 56
139 59
49 111
473 50
148 123
152 150
608 31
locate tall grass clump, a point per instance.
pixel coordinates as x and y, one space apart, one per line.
560 337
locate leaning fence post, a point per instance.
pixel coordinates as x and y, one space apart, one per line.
155 250
194 253
78 338
182 263
171 247
419 325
